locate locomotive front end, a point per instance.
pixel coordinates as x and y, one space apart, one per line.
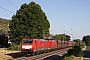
26 46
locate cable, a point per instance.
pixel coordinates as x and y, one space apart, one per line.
7 10
12 4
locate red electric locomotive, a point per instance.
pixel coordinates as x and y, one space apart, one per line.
37 45
33 45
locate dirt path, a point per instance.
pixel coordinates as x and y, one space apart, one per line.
4 52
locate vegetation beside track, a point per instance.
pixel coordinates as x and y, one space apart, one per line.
14 47
73 54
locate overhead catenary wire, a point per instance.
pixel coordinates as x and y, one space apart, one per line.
11 3
7 10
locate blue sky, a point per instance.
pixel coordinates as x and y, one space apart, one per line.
63 15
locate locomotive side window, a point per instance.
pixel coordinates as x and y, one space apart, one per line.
27 41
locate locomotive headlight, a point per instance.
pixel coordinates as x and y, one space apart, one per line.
30 46
27 47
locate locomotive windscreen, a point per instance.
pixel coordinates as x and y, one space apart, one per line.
27 41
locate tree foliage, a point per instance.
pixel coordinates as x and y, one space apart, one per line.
29 21
79 43
61 37
86 39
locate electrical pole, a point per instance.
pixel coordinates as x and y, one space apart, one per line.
70 33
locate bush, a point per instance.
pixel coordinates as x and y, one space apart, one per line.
76 50
82 45
67 58
70 52
14 47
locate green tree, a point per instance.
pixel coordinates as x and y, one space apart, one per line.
86 39
61 37
67 37
77 41
29 21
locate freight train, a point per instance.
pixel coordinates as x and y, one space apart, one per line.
35 46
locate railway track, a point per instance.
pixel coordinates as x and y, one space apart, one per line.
44 55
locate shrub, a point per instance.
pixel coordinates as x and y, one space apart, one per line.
70 52
76 50
67 58
14 47
82 45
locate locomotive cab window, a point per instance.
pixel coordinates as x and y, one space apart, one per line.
27 41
